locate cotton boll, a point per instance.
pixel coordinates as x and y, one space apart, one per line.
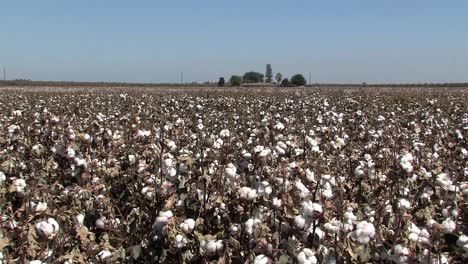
2 178
404 204
363 233
79 219
306 256
101 222
47 229
230 171
276 203
247 193
40 207
104 255
36 262
20 185
188 225
180 241
449 225
300 221
312 209
261 259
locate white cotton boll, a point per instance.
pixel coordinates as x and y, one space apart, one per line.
167 214
230 171
168 163
300 221
279 150
279 126
81 162
224 133
277 203
463 242
2 177
104 254
180 241
358 171
312 209
304 192
234 229
47 229
449 225
406 162
40 207
306 256
404 204
247 193
250 223
363 233
131 159
310 175
187 226
265 152
70 153
100 222
36 262
79 219
211 245
261 259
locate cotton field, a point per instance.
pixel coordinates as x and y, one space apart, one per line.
371 175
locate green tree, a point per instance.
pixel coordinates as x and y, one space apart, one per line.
235 80
279 78
221 81
252 77
298 80
285 82
269 73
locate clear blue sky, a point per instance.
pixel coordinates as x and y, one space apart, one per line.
153 41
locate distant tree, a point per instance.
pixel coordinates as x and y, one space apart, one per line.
279 78
285 82
235 80
269 73
298 80
252 77
221 81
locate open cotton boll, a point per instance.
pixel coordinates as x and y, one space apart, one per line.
312 209
310 175
47 229
35 262
404 204
180 241
247 193
2 177
104 255
306 256
449 225
303 190
261 259
211 245
250 223
188 225
100 222
463 242
230 171
276 203
79 219
300 221
406 162
20 185
40 207
224 133
363 233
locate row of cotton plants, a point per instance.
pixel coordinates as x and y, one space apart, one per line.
188 176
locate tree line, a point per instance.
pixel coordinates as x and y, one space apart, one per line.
256 77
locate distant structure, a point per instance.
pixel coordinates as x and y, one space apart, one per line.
4 73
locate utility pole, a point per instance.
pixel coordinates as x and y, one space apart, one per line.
181 77
4 73
310 78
